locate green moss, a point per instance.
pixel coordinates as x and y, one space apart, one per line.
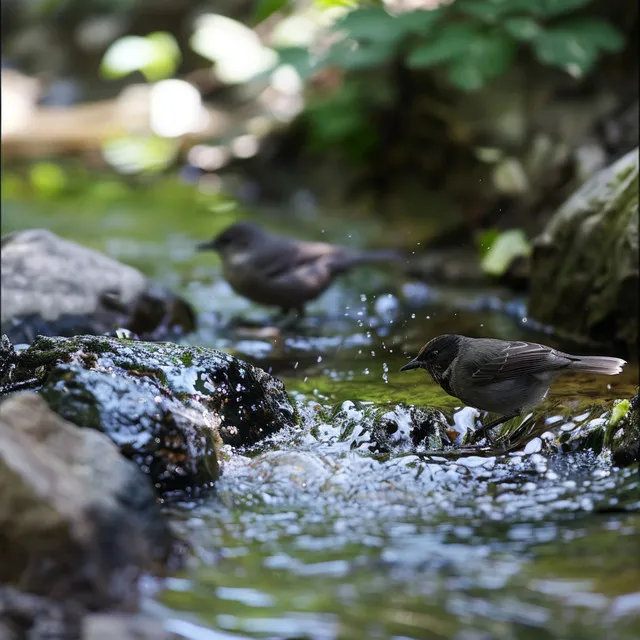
187 358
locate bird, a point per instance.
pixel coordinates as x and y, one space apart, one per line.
280 271
501 376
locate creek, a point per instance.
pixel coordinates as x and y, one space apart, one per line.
314 535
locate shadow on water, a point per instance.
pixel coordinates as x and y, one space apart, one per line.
318 538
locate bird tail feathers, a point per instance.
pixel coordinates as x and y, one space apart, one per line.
599 364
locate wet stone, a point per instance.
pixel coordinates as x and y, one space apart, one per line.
53 286
78 521
168 408
403 429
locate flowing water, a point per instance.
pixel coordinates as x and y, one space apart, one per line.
313 534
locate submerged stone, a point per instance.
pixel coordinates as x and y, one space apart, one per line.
167 407
53 286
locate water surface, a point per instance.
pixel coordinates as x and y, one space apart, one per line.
313 535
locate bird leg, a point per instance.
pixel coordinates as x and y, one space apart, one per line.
289 318
485 428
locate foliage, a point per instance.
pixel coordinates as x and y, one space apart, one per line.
474 41
466 42
501 249
156 56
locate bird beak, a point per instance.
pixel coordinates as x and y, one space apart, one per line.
414 364
211 245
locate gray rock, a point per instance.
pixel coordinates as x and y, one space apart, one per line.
584 270
108 626
52 286
78 521
167 407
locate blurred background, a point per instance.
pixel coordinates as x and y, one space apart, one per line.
431 119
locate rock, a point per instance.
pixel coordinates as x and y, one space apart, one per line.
107 626
379 430
616 429
78 521
584 270
52 286
407 429
25 615
625 445
167 407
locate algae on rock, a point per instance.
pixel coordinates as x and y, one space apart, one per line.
168 416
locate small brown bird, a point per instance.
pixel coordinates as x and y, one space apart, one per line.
283 272
500 376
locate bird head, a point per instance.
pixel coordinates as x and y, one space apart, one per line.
436 356
238 237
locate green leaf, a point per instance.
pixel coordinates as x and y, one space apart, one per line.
549 8
466 75
299 58
523 29
619 412
486 240
487 56
450 41
485 10
419 22
48 179
157 56
375 25
575 45
363 56
165 56
596 32
508 246
265 8
372 24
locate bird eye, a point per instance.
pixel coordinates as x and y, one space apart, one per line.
434 354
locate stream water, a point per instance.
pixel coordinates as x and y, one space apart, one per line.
312 536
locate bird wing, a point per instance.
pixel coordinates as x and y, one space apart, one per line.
289 256
516 359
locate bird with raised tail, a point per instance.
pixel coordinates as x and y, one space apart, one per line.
500 376
284 272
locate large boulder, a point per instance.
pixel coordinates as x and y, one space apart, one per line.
167 407
52 286
78 521
584 272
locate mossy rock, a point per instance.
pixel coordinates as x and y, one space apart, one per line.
615 429
167 407
585 273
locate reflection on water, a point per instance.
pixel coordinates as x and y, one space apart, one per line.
317 538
